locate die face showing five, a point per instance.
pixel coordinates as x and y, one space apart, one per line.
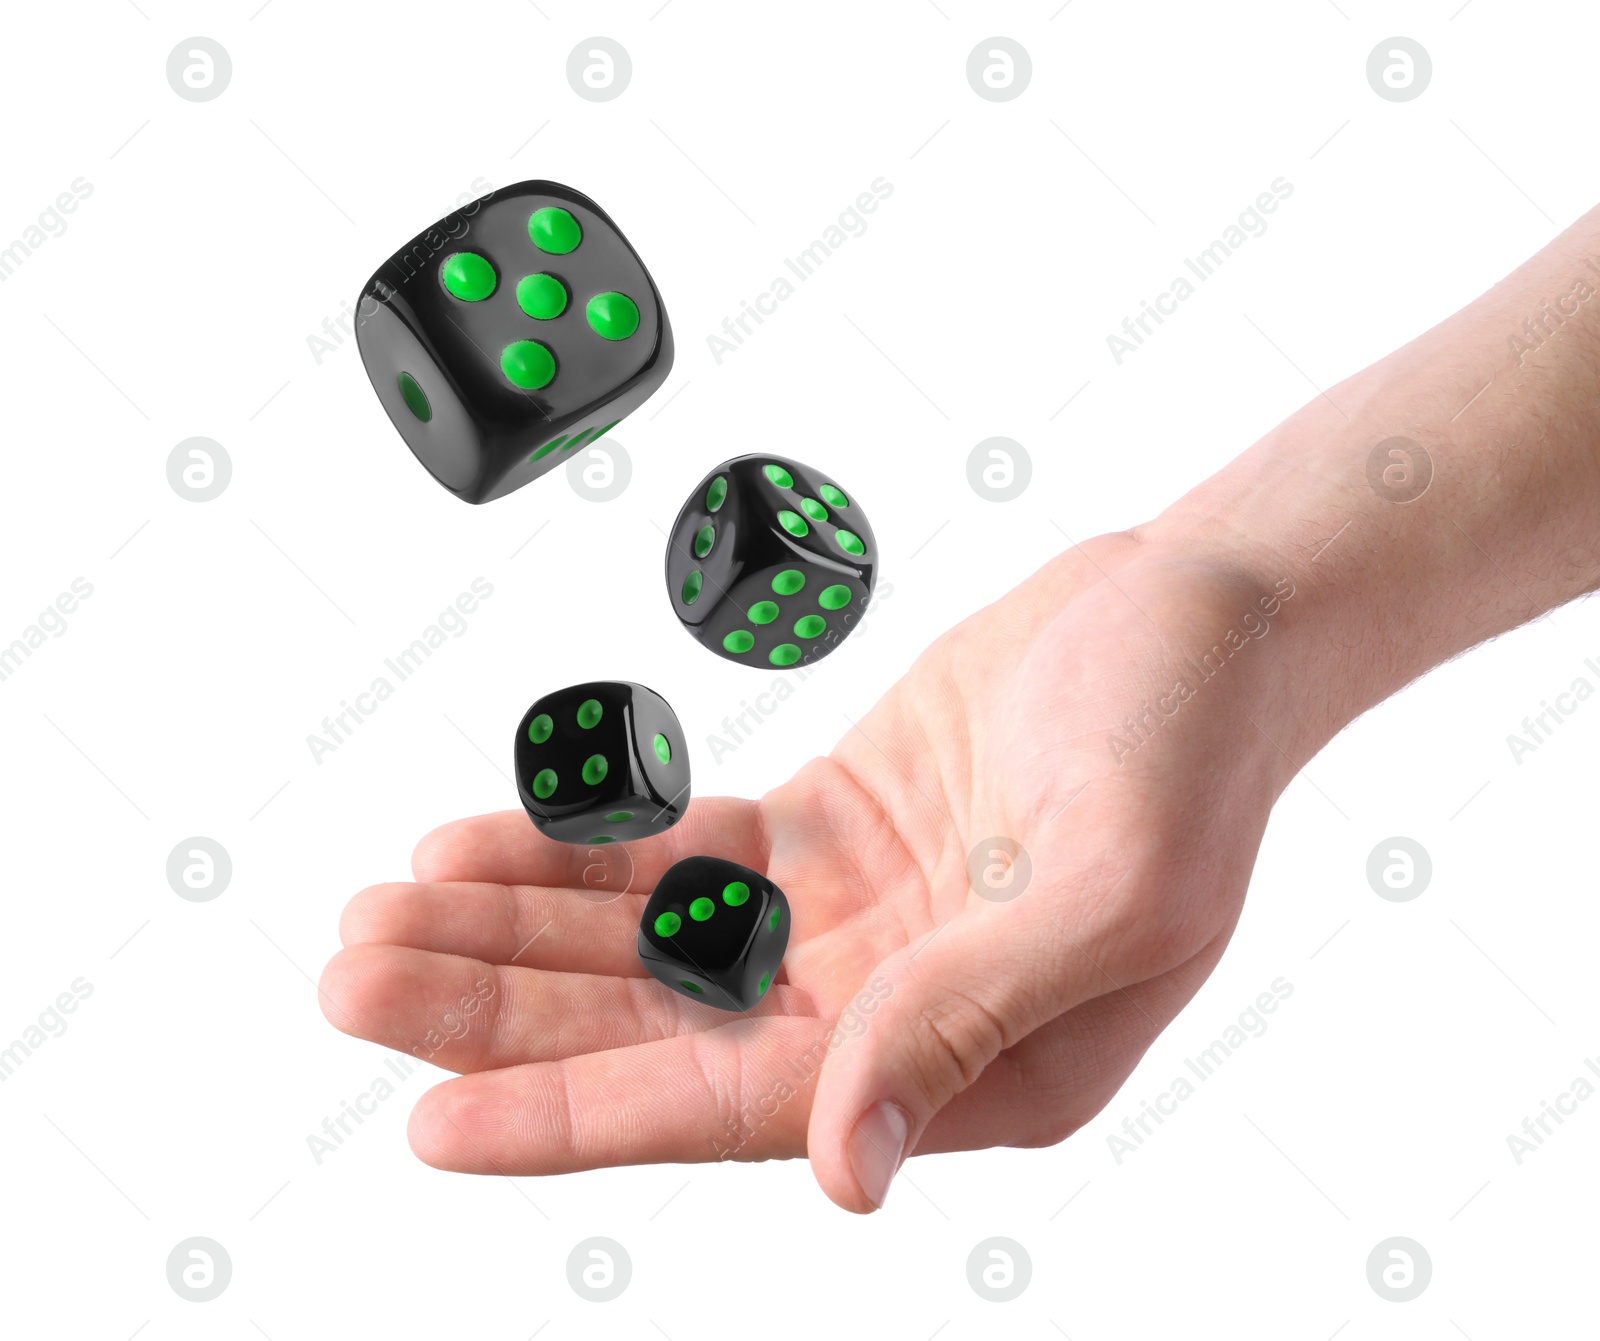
770 563
602 762
515 329
715 931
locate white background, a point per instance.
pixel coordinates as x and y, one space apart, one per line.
179 302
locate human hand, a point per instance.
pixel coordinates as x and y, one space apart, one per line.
914 1014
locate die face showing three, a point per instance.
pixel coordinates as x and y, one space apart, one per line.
715 931
515 329
603 762
770 562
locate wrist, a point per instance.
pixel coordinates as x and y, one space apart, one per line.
1434 500
1440 497
1354 505
1250 641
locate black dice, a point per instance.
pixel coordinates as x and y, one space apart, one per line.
770 562
510 332
715 931
602 762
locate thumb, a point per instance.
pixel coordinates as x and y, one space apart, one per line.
928 1022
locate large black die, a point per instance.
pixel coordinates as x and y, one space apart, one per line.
515 329
602 762
770 562
715 931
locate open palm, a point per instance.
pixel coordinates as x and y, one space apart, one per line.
931 999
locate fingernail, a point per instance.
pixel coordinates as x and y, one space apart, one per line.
876 1148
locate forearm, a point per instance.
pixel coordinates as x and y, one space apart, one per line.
1389 581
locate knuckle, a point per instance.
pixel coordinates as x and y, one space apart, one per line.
957 1037
1148 936
1053 1132
721 1076
1144 926
495 1035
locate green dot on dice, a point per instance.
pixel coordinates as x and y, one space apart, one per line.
701 909
784 654
735 892
691 586
716 493
789 581
850 542
834 598
594 769
663 748
772 922
619 817
739 641
544 782
809 626
667 924
779 476
761 987
541 296
704 539
415 398
528 364
692 987
813 509
834 497
603 838
612 316
589 713
763 612
467 276
540 727
793 523
554 230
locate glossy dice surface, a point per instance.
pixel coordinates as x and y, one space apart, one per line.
603 762
715 931
770 563
517 328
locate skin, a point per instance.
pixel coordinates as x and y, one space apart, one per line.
937 1018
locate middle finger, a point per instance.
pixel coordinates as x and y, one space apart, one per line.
465 1015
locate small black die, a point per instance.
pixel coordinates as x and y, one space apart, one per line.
770 562
715 931
603 762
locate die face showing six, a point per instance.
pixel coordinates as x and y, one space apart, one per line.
715 931
603 762
770 563
515 329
